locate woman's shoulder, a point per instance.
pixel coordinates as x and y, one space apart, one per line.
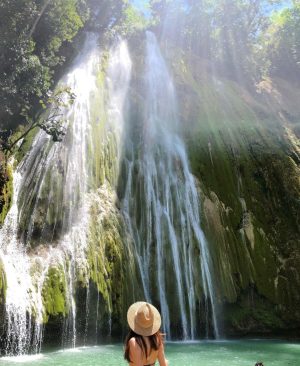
132 341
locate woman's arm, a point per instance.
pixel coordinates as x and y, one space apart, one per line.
161 356
136 355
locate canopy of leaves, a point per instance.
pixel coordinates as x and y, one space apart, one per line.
35 35
282 43
244 39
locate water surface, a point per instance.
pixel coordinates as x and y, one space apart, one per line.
207 353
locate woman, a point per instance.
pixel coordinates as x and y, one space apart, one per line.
144 343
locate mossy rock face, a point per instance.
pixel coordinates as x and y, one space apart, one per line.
47 208
252 314
3 284
107 257
243 151
6 188
54 294
25 144
105 245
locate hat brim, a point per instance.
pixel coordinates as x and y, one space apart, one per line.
131 313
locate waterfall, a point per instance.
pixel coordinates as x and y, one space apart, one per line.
169 242
45 232
45 239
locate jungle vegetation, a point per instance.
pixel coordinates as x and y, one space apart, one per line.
246 40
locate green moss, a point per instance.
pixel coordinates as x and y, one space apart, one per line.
250 186
104 158
6 178
253 314
54 293
102 146
6 194
265 264
101 74
25 144
3 284
230 255
105 257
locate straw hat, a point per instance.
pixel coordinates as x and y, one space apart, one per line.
143 318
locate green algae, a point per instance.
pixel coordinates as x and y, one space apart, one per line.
259 318
250 188
102 145
54 294
6 195
3 284
111 259
105 257
25 144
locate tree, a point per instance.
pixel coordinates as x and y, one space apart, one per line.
16 56
226 33
52 122
282 43
32 35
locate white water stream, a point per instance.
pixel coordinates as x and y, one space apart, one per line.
48 222
166 227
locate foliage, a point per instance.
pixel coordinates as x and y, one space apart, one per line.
245 40
32 33
21 70
52 122
282 43
105 15
60 23
133 20
34 43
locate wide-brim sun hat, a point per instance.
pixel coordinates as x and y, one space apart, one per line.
143 318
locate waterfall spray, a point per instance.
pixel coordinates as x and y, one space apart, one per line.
47 228
48 224
166 228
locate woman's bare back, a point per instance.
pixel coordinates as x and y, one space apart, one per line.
138 358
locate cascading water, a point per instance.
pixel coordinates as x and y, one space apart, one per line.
47 230
170 245
49 186
47 227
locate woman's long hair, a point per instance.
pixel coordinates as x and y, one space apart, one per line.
155 341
